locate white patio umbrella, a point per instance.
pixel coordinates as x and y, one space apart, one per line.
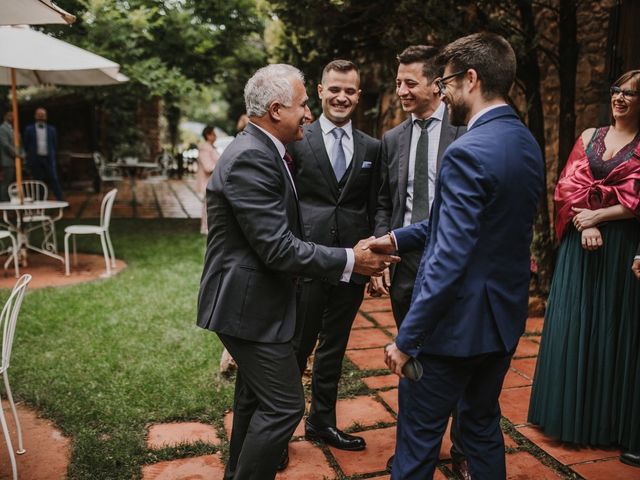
34 58
32 12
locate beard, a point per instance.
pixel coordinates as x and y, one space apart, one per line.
458 112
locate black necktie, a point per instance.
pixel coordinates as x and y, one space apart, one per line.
288 159
420 203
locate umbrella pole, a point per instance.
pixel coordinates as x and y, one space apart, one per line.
16 134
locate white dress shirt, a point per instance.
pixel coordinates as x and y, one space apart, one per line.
482 112
327 127
351 259
41 139
434 143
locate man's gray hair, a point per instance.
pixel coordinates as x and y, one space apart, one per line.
270 84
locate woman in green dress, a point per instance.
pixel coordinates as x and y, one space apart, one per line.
586 389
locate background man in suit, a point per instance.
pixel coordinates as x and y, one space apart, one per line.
470 306
335 182
409 164
255 254
7 156
41 143
636 264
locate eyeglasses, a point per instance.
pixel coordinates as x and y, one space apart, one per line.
441 83
625 93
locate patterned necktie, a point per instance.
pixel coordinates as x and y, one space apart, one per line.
338 157
288 159
420 204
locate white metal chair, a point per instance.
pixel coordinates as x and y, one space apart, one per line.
108 172
11 251
35 190
102 230
8 319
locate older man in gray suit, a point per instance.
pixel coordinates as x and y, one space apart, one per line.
255 255
409 163
7 156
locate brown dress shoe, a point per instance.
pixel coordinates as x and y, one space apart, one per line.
460 468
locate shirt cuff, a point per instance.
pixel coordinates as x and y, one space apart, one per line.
348 268
637 257
393 239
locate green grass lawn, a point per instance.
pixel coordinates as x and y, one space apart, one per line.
105 359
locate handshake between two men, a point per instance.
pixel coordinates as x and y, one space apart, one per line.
374 255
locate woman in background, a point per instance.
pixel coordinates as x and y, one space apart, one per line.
207 160
586 389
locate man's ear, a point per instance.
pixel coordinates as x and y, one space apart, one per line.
472 77
274 111
320 90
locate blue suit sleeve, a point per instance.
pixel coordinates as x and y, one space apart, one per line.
465 191
412 237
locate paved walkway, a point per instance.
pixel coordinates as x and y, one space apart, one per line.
153 199
530 455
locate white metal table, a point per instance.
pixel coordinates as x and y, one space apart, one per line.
133 169
16 224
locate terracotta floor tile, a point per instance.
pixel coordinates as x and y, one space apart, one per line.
371 359
610 470
367 338
376 305
208 467
361 322
515 379
526 348
383 319
514 403
228 422
564 452
308 462
390 397
384 477
381 381
534 325
526 366
163 435
363 410
524 466
393 331
380 446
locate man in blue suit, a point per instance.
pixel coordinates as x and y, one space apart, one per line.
41 143
470 300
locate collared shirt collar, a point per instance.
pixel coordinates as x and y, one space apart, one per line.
475 118
327 125
279 145
438 114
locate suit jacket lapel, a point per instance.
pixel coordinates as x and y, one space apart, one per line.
404 147
359 150
316 142
447 135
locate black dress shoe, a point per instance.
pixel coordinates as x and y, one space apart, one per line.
390 463
460 468
631 458
334 437
284 459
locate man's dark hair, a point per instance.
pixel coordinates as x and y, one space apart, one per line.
425 54
342 66
206 131
490 55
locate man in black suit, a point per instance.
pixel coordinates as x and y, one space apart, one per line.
334 179
408 171
255 255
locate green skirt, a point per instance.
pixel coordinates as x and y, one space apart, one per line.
586 388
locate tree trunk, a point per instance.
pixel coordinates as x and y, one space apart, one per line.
529 74
567 68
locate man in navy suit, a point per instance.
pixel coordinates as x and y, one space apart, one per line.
470 300
41 143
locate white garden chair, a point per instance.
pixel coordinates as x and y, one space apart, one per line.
36 191
8 319
12 251
101 230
